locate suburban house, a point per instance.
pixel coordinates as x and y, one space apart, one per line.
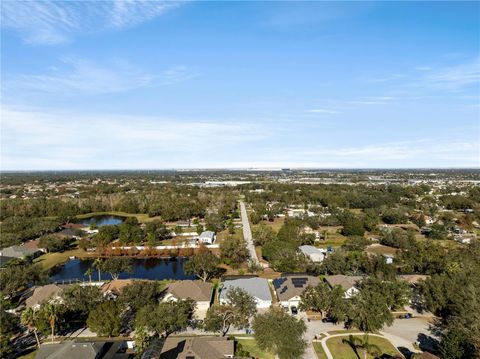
19 252
257 287
289 288
314 253
115 287
75 349
207 237
349 283
50 293
198 348
200 292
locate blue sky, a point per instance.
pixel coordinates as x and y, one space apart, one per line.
117 85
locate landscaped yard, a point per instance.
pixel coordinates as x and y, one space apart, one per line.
50 260
319 350
251 346
341 350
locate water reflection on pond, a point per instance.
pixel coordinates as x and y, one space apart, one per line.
149 268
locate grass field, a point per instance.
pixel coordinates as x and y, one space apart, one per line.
341 350
276 224
319 350
221 236
381 249
251 346
50 260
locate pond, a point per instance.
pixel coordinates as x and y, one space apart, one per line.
101 221
151 268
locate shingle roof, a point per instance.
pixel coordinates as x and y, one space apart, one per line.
257 287
18 251
116 286
70 349
43 294
194 289
345 281
199 348
290 286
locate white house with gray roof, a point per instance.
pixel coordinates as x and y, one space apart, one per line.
207 237
257 287
314 253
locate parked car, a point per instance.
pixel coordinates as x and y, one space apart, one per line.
294 310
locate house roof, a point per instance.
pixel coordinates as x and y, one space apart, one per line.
194 289
116 286
197 347
70 349
308 250
257 287
44 293
18 251
290 286
33 244
207 234
412 278
345 281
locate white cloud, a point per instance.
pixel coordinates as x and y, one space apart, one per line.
323 111
40 140
453 78
54 22
79 76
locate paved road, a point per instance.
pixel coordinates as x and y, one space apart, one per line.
247 233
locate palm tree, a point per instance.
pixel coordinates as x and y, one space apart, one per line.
51 311
89 273
97 263
29 319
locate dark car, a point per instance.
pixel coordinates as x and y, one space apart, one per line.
294 310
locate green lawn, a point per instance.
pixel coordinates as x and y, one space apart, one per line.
50 260
340 350
319 350
28 356
251 346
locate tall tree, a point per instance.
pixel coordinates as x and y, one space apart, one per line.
369 313
240 307
280 333
29 319
165 318
105 319
204 265
116 265
234 251
52 313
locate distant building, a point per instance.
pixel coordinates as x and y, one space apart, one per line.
200 292
50 293
314 253
348 283
207 237
19 252
257 287
115 287
290 288
198 348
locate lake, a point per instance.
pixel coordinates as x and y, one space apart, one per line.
101 221
150 268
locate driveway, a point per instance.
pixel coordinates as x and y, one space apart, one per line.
247 233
